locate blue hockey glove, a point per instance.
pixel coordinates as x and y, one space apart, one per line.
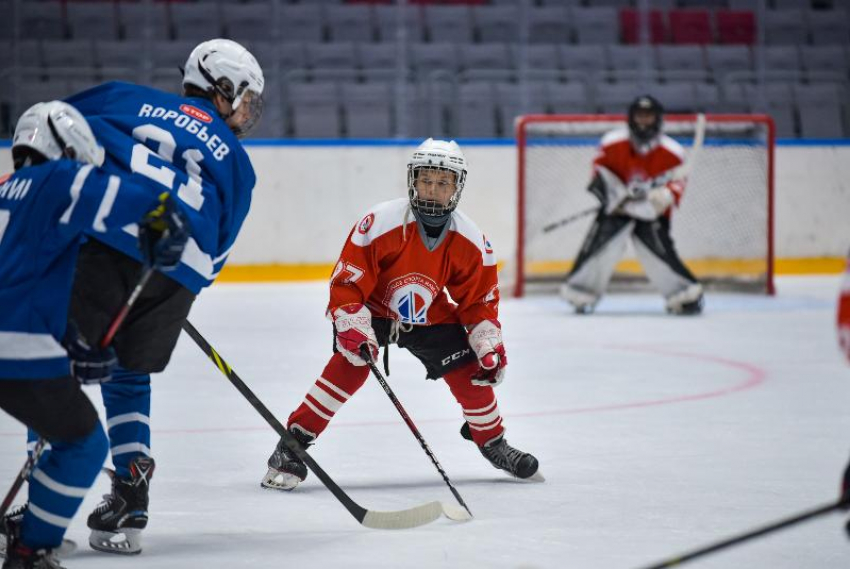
163 234
88 364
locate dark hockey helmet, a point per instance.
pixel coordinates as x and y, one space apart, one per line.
642 132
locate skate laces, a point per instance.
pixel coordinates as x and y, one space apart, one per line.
504 454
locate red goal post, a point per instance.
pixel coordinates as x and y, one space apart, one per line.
723 229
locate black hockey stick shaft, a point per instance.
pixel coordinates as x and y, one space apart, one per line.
364 353
356 510
569 219
31 461
776 526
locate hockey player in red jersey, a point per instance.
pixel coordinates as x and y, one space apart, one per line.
844 343
389 287
629 181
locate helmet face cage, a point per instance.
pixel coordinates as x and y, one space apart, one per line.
643 134
428 206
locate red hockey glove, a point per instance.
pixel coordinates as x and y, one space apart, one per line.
353 324
844 315
485 338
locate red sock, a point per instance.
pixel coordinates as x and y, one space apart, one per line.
338 382
480 408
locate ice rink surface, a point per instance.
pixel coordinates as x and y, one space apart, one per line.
656 434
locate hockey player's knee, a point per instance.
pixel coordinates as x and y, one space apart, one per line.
686 302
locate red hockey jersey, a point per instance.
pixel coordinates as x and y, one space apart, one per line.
617 155
844 313
386 265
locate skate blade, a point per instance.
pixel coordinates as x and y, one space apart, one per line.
536 477
277 480
125 542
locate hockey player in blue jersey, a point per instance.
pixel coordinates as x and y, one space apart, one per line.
55 195
187 144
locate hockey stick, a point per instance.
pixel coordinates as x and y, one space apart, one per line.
675 174
31 461
843 503
364 353
402 519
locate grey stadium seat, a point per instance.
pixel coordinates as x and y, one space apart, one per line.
496 23
92 20
734 99
708 98
820 108
427 57
778 104
784 59
538 55
350 22
628 58
784 27
475 110
368 110
197 22
387 21
567 98
62 54
829 58
509 97
586 58
376 55
723 59
596 25
139 19
616 97
301 22
549 24
338 55
829 27
289 55
677 97
41 20
314 110
248 22
119 55
448 23
485 56
681 62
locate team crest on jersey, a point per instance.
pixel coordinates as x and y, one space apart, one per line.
196 113
366 224
487 247
411 296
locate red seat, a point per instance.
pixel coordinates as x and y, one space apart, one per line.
735 27
630 31
690 26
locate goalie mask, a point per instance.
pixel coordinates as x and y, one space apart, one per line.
55 130
436 174
645 118
224 67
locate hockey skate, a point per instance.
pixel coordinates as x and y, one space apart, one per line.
286 470
583 302
118 521
505 457
13 518
687 302
18 555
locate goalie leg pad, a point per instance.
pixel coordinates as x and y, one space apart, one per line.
602 249
658 256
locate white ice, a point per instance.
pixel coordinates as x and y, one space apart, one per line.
656 434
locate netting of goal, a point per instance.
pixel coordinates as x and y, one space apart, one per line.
723 229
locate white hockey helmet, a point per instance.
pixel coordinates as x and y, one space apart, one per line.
227 68
440 155
57 130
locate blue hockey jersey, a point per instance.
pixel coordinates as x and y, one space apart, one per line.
162 140
44 211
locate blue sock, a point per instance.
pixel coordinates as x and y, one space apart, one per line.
127 399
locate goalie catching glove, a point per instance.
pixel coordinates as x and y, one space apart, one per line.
353 323
485 338
163 234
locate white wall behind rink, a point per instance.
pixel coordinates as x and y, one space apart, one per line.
308 198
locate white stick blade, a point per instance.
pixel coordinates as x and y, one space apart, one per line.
456 513
404 519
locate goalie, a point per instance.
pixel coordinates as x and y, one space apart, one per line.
634 180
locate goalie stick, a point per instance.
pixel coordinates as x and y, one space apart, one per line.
677 173
401 519
364 353
843 503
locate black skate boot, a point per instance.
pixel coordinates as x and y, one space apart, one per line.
18 555
505 457
286 471
13 519
118 521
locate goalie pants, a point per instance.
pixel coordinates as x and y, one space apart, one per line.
444 351
103 281
60 412
605 245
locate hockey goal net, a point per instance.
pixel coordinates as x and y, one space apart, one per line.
723 229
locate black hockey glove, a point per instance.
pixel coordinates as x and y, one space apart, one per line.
88 364
597 188
163 234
